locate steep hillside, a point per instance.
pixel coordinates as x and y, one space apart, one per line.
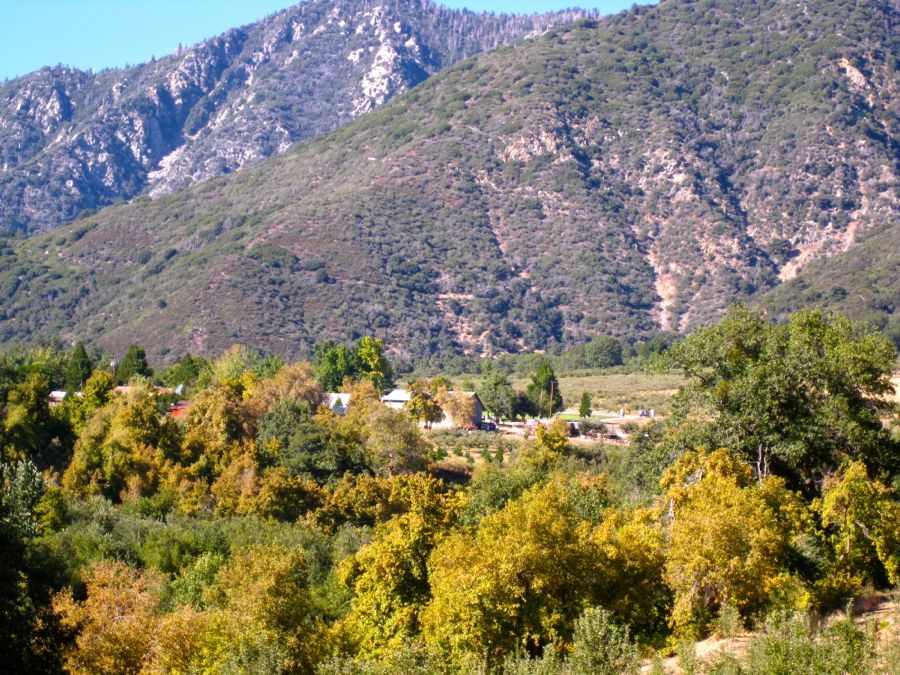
612 178
71 140
863 283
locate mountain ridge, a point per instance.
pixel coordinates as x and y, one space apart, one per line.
620 177
72 140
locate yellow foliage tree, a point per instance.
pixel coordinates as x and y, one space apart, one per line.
369 500
422 405
282 496
726 540
116 621
236 487
126 438
552 444
518 582
863 519
457 405
389 580
216 421
629 564
296 382
178 643
263 600
389 577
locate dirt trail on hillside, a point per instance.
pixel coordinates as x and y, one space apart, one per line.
883 613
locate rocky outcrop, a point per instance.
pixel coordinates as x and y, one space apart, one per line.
71 140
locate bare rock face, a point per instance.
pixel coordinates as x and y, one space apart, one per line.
71 141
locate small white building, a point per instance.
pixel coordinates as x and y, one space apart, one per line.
337 402
56 397
398 398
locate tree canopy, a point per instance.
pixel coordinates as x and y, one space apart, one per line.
796 398
543 391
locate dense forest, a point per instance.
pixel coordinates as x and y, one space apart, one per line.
263 532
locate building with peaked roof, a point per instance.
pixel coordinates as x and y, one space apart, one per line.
398 398
337 402
56 397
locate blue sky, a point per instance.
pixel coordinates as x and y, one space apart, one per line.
111 33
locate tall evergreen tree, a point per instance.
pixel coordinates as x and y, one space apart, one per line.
79 368
134 363
585 409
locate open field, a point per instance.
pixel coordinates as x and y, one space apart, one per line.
609 390
618 390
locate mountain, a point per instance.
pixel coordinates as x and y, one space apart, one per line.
618 177
862 283
71 140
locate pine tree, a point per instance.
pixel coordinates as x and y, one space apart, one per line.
134 363
79 368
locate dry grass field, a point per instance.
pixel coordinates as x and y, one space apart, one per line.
610 390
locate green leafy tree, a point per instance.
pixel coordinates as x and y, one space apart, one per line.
133 363
96 393
391 440
78 369
497 394
603 647
374 365
543 391
240 368
28 430
603 352
185 371
302 444
585 408
295 382
32 638
795 398
334 363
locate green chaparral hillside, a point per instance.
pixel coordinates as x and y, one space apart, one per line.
863 282
607 178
